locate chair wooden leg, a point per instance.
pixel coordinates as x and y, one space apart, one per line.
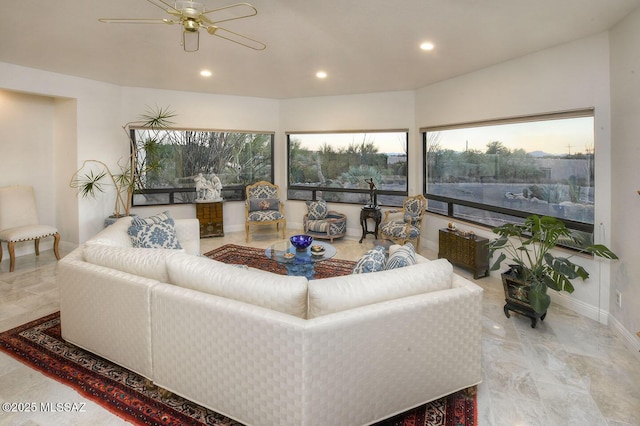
56 242
12 256
0 251
246 232
36 244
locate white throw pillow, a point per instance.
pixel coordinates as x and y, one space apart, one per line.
280 293
149 263
337 294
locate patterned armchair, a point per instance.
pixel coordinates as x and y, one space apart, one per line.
263 207
405 224
320 222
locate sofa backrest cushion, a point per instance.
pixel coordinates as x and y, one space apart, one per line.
144 262
281 293
336 294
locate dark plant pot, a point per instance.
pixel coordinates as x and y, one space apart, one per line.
516 293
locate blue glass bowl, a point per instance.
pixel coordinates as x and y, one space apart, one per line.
301 242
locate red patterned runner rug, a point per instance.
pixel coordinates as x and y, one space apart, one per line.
38 344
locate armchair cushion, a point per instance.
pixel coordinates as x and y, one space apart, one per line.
398 229
373 261
265 215
28 232
262 204
317 210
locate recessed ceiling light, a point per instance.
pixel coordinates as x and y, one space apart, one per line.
427 46
321 74
205 73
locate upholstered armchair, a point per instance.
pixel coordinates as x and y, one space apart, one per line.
405 224
19 222
263 207
320 222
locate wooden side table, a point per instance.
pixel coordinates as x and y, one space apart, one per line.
211 219
469 252
368 212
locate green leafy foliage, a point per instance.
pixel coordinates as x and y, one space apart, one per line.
527 247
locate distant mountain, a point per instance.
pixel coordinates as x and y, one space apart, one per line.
543 154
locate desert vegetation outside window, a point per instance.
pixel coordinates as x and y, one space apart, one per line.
501 171
237 158
334 166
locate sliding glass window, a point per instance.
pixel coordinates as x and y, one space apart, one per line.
334 166
237 158
504 170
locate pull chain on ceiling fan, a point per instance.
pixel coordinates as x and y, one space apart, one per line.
193 16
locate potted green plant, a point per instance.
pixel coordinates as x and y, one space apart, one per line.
533 268
94 174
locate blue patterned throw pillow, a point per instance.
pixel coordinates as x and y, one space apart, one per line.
156 231
373 261
404 256
317 210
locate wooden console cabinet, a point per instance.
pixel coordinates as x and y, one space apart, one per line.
211 219
469 252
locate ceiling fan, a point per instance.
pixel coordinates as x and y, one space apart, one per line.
192 16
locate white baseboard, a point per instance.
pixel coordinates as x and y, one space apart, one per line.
630 338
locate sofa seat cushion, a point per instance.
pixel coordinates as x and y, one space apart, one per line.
337 294
149 263
280 293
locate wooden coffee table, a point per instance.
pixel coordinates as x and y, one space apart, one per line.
300 263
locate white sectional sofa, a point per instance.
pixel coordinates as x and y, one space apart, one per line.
267 349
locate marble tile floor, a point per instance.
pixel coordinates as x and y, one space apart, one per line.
570 370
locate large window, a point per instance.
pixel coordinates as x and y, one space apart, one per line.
337 166
178 156
503 170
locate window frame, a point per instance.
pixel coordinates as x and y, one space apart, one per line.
451 202
323 189
238 190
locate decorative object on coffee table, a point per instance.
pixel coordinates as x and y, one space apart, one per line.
465 250
301 242
300 262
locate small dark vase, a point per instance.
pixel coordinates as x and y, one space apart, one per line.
516 293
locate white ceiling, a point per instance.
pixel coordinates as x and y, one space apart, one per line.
364 45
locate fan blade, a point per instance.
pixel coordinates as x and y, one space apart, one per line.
166 7
236 38
230 13
136 21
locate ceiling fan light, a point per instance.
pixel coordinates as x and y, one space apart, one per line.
189 8
190 41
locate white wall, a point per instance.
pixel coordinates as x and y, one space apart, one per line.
27 152
625 101
567 77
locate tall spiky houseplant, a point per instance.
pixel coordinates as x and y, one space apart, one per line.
526 247
90 179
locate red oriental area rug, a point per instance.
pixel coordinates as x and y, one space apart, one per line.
38 344
254 257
